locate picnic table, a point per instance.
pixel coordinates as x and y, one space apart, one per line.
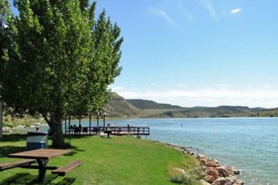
41 157
108 132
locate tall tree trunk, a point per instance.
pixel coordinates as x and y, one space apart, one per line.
57 132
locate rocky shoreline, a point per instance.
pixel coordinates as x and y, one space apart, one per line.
214 173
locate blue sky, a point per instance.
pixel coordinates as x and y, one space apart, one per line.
198 52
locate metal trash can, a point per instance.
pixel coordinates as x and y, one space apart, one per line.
36 140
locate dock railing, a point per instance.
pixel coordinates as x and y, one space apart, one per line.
115 130
127 130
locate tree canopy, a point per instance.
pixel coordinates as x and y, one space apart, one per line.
57 59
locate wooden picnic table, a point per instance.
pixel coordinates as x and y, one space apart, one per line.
42 157
108 132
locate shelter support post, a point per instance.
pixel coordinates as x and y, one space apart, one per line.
65 125
69 126
1 120
97 121
90 124
104 121
79 125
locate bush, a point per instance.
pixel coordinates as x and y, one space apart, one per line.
178 175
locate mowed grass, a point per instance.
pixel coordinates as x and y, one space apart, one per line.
115 161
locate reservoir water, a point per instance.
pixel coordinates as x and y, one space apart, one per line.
249 144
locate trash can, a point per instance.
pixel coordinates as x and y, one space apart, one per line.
36 140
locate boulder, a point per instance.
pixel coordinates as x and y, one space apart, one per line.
7 130
222 181
199 156
203 160
232 178
185 152
232 170
237 172
223 172
203 182
179 171
215 160
209 178
212 172
211 164
238 182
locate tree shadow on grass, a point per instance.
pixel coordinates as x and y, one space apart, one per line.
28 179
5 150
14 137
74 150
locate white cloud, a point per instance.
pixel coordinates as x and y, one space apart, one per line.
209 8
186 13
117 88
236 11
266 96
164 15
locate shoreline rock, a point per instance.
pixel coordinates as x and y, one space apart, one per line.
214 173
7 130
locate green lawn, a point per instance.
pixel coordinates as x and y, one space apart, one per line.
115 161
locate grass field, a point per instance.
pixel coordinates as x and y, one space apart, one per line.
114 161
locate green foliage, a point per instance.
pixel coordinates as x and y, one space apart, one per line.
180 179
5 19
189 172
57 59
5 13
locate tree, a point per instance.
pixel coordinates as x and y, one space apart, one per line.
59 60
5 17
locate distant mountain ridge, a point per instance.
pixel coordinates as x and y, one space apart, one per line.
120 107
210 112
148 104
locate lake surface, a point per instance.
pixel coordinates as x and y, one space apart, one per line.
249 144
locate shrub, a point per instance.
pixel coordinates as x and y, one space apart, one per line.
178 175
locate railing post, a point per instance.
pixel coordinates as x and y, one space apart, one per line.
65 125
69 126
90 124
98 123
104 122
